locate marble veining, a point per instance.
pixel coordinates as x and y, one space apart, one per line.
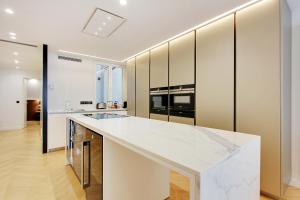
194 148
221 165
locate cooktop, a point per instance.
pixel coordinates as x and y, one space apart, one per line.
104 115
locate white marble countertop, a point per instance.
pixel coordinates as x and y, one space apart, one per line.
190 148
85 111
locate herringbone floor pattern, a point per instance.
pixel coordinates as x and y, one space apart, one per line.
27 174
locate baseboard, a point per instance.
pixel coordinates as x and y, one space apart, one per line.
295 183
56 149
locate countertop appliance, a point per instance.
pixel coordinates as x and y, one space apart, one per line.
182 101
84 154
101 105
104 115
159 98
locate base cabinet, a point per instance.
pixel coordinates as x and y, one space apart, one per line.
56 131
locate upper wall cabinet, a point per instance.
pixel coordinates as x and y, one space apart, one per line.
131 86
142 85
159 67
182 60
215 75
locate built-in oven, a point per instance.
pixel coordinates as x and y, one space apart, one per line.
159 98
182 101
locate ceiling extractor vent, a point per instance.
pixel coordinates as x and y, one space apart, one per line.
103 23
69 59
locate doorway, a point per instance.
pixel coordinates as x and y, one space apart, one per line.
33 101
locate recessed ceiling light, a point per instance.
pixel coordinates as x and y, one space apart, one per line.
16 61
9 11
17 67
12 34
16 53
123 2
13 37
103 24
108 17
100 29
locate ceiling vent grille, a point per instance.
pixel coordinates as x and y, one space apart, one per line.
69 59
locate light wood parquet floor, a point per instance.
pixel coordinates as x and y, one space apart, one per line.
27 174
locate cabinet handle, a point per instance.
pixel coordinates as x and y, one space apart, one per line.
85 184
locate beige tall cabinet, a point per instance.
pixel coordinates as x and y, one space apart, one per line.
159 66
263 87
215 75
142 85
159 72
130 69
182 60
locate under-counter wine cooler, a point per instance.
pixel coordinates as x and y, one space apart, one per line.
84 153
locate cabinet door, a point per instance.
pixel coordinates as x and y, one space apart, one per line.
258 85
182 60
131 87
215 75
159 67
159 117
182 120
56 131
94 190
142 85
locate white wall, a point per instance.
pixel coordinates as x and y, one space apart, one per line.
11 90
33 89
296 99
70 82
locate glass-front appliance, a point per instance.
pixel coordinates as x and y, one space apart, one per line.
159 100
182 101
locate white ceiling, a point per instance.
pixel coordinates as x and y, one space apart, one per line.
59 23
30 58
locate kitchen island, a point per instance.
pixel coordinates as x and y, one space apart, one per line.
138 154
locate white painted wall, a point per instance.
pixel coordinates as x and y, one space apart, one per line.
296 99
70 82
33 89
11 90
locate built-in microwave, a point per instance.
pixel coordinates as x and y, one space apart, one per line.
182 101
159 98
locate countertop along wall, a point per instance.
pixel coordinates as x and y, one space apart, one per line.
12 90
296 98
